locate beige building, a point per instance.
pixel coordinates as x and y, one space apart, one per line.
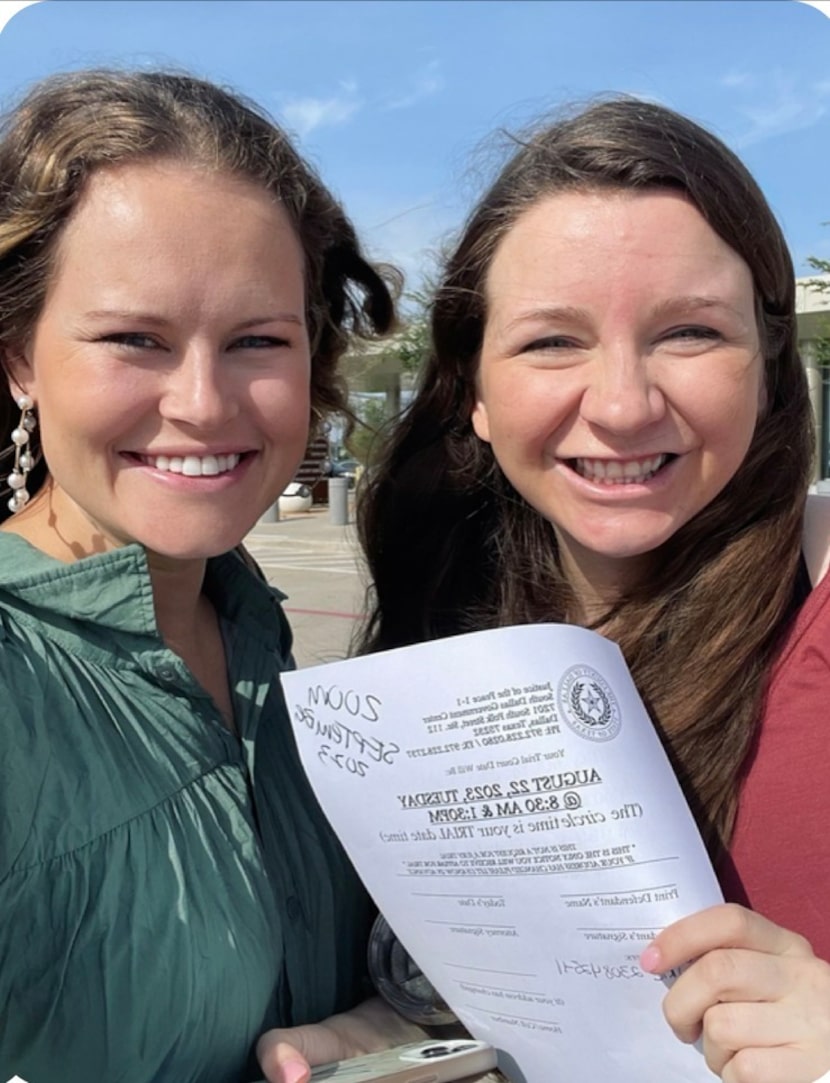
813 308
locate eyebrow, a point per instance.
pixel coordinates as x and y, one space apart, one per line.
693 301
548 312
669 307
156 320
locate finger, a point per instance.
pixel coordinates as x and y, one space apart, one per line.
314 1043
728 1028
781 1064
723 926
282 1064
284 1061
724 975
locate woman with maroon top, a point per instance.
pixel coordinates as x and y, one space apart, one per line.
613 429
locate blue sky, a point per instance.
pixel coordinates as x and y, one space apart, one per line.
394 99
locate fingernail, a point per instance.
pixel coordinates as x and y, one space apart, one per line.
295 1071
650 959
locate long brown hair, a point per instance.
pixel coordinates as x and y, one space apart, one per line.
451 546
69 126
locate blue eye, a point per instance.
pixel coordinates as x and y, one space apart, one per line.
132 340
551 342
258 342
692 333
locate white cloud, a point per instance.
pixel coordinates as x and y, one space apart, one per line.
427 83
788 114
303 115
736 78
781 108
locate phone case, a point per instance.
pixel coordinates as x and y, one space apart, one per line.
420 1062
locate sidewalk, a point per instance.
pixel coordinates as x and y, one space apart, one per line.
317 564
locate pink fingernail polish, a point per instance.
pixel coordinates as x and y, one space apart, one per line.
295 1071
650 959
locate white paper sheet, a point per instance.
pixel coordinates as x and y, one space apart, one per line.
509 806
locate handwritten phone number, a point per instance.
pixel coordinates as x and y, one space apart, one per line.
622 971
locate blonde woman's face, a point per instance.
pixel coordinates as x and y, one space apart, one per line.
621 374
170 365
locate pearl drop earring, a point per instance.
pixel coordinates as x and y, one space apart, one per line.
23 458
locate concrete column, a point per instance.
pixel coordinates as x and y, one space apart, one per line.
271 513
814 382
339 501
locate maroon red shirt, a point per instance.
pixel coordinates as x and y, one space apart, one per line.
779 860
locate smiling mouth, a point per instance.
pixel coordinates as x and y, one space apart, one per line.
193 466
618 471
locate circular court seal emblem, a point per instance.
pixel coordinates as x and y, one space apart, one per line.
588 705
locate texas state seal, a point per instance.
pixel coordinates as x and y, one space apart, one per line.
588 705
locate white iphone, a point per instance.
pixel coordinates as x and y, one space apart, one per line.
420 1062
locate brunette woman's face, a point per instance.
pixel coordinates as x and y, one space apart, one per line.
170 365
621 373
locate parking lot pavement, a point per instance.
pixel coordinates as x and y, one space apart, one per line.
317 564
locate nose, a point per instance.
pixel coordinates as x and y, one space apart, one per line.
198 391
623 394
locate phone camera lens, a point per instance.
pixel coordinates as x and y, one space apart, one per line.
445 1050
435 1051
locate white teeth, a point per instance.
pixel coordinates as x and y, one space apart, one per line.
193 466
616 472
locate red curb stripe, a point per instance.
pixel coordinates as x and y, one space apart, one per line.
324 613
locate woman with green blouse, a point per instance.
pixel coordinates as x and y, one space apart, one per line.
176 288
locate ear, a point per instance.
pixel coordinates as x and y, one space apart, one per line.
480 420
19 374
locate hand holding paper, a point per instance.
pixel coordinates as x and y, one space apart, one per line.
507 802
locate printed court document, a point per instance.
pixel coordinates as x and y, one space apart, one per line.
509 806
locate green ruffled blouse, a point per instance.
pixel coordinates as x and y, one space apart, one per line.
167 890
